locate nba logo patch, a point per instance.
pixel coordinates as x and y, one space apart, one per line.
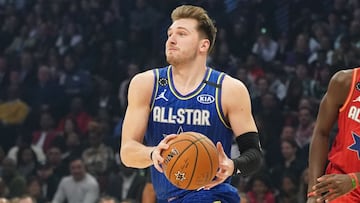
163 82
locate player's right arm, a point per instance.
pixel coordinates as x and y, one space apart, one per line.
328 113
133 152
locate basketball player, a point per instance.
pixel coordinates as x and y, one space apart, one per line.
189 96
341 103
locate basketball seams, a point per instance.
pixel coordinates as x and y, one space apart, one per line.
204 152
192 143
195 164
208 153
200 139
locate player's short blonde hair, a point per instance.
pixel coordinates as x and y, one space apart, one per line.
205 24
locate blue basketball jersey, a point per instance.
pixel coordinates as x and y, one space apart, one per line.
173 113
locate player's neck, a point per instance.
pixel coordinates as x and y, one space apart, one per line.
188 77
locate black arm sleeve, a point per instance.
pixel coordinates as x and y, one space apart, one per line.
251 157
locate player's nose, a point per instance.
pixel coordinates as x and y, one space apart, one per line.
171 40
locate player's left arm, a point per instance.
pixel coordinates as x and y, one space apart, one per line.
237 108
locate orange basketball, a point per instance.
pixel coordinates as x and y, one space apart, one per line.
191 161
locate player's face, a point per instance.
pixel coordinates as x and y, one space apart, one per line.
183 41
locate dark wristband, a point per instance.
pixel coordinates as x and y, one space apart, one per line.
251 157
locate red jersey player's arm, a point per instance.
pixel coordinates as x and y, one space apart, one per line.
332 101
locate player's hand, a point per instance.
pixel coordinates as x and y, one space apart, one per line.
332 186
156 154
226 168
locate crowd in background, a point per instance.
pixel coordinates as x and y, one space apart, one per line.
65 67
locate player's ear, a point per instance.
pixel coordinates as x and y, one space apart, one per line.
204 45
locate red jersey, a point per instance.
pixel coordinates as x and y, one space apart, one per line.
344 156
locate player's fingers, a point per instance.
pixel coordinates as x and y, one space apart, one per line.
162 145
213 183
322 189
219 178
331 196
328 196
158 167
220 149
157 159
321 185
325 177
169 137
222 174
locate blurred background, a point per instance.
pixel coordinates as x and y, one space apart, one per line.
65 67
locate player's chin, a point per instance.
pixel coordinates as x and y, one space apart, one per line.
171 59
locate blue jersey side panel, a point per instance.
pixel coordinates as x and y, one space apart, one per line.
173 113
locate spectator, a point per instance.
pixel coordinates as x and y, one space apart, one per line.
26 161
46 93
55 161
24 141
290 164
69 37
78 114
74 81
305 127
260 190
269 122
288 189
105 100
34 189
27 69
72 146
132 69
303 185
44 137
126 183
14 110
318 85
15 182
98 158
265 47
345 55
70 126
49 181
300 52
261 88
79 187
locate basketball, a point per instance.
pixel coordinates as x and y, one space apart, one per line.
191 161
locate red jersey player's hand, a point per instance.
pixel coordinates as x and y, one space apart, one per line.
332 186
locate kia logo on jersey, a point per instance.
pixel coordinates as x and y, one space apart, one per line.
205 99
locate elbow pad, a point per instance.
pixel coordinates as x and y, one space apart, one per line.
251 157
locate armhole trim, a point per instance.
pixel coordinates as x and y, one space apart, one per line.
218 101
347 101
155 89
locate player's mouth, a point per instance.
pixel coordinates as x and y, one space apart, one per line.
172 49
